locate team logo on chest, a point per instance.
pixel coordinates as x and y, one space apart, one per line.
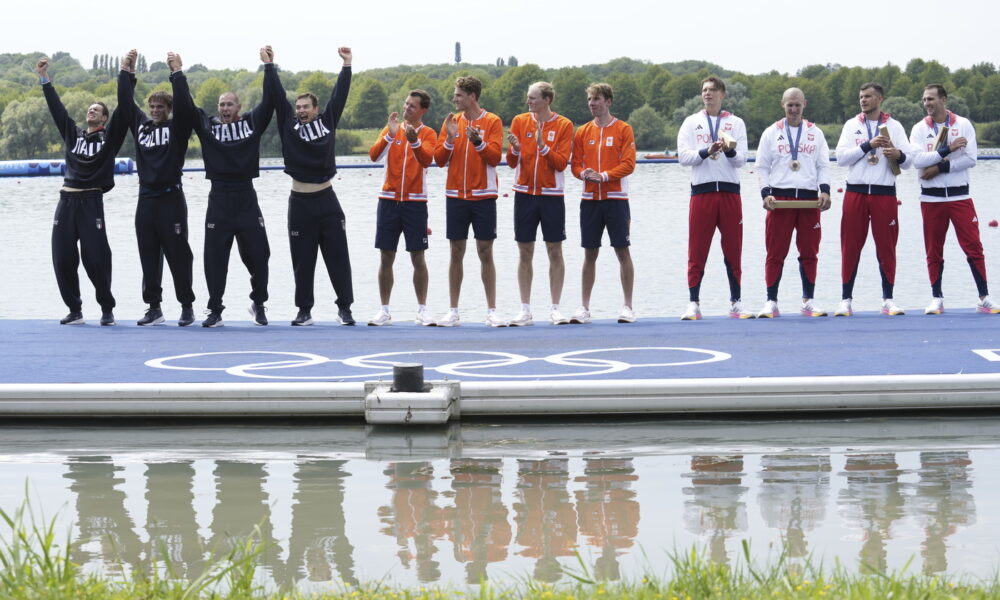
85 148
313 130
159 136
609 141
231 132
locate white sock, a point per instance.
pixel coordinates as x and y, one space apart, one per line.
385 307
526 308
554 307
421 308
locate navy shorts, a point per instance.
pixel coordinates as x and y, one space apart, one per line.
530 210
481 214
406 218
596 215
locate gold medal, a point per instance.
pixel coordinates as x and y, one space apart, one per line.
872 159
714 156
795 165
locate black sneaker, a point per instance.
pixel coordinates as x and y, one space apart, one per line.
302 319
214 319
153 316
257 314
346 318
73 318
187 317
107 318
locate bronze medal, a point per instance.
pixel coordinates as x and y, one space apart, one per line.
795 165
714 156
872 159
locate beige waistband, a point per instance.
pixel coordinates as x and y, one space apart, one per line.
307 188
66 188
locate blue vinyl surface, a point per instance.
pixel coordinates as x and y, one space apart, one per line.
961 341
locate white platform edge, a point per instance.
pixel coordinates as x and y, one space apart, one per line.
514 398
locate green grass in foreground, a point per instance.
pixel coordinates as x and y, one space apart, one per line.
33 566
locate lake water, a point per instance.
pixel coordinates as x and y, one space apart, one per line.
659 207
344 503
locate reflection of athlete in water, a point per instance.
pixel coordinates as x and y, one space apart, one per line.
607 510
716 507
90 163
793 495
872 501
414 515
544 514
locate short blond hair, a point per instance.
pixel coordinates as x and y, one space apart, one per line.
600 89
545 89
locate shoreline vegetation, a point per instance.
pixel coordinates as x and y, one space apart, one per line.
34 564
653 98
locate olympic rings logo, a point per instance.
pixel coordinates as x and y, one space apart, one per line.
380 365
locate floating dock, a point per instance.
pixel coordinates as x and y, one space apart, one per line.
868 362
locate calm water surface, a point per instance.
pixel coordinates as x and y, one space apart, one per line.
341 503
659 244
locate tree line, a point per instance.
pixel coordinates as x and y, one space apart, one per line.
654 98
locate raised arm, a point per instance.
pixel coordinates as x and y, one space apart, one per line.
338 99
283 108
126 91
261 114
64 123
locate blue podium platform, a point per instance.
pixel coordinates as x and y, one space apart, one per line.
792 363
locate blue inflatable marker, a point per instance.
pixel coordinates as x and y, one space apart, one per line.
38 168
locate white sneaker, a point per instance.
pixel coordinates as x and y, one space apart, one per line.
423 319
889 308
736 311
581 316
627 315
523 319
450 319
382 317
557 318
693 312
809 309
494 320
844 308
936 307
769 311
987 306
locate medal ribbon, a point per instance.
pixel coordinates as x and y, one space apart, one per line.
869 130
718 122
798 138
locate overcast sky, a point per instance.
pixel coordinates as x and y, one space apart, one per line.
749 36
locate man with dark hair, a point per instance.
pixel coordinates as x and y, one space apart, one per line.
604 157
316 221
161 219
470 145
793 164
713 142
871 194
540 145
407 147
945 149
90 163
231 149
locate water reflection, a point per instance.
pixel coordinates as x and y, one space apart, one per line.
545 515
716 509
793 494
334 520
942 503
